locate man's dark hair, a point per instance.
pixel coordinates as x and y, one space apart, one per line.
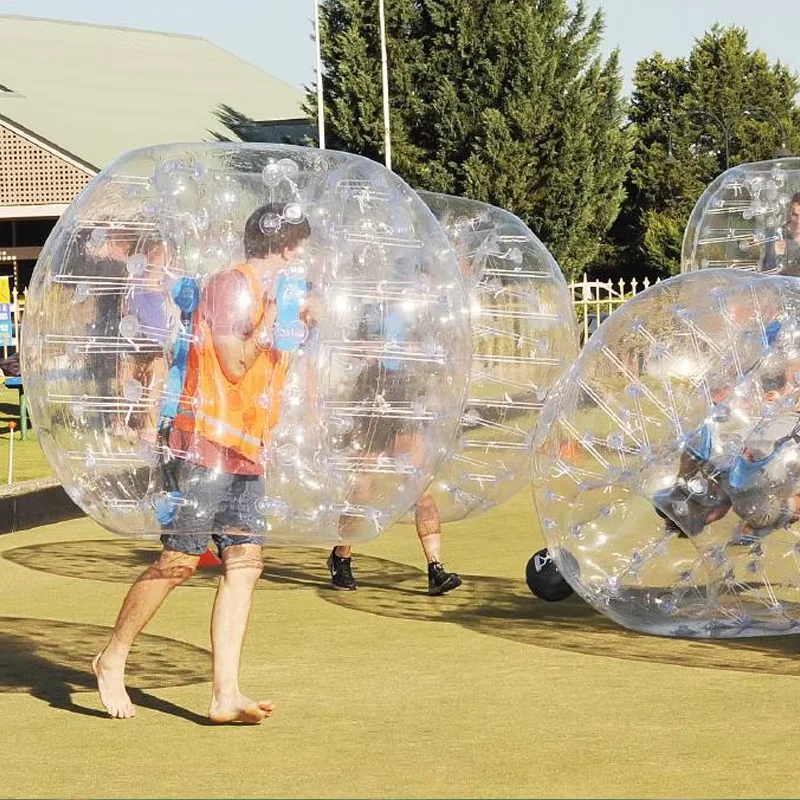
795 199
272 228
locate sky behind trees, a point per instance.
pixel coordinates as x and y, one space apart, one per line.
275 35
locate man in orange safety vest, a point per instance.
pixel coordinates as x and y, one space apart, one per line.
229 403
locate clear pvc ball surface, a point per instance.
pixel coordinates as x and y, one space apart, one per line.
749 219
257 339
523 339
667 460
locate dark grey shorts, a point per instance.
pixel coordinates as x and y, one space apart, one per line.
214 505
195 545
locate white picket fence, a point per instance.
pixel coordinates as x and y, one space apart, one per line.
596 300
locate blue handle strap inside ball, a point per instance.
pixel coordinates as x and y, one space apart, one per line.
290 330
186 294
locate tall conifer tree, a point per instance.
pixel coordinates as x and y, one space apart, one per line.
723 105
503 101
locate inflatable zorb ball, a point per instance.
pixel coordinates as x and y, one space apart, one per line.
748 219
523 339
208 334
667 460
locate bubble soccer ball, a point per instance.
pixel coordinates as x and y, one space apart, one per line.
523 339
667 461
208 336
744 221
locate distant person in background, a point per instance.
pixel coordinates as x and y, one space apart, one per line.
782 256
9 367
148 303
142 262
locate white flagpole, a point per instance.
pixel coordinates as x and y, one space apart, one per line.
385 74
320 97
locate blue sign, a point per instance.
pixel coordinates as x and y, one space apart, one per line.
6 325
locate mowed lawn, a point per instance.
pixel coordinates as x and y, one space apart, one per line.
28 460
383 692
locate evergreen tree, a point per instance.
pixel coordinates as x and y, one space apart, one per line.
498 100
692 118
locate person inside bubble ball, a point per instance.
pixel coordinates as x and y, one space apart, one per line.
394 438
146 371
764 483
703 492
765 479
782 255
216 439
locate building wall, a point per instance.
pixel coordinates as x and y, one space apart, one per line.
30 175
36 184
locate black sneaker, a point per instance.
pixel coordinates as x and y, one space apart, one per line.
441 581
341 573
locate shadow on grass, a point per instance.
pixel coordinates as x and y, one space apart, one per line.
51 660
488 605
506 609
123 560
9 410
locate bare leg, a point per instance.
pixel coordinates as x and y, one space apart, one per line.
363 489
427 518
243 566
154 381
429 528
141 603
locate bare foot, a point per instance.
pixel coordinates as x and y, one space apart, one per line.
111 685
240 709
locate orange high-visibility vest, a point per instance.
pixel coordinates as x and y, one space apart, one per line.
234 415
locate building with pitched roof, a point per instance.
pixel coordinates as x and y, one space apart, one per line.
73 96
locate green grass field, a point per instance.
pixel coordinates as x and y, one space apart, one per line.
383 692
29 461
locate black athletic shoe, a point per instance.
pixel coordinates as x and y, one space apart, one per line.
441 581
341 573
